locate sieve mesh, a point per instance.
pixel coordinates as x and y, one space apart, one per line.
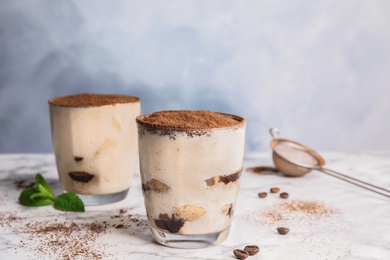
296 154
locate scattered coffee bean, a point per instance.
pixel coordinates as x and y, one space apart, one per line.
262 194
284 195
240 254
252 249
274 190
283 230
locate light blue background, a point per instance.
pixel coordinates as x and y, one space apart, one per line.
318 70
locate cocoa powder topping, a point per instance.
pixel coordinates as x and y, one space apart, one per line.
89 100
190 119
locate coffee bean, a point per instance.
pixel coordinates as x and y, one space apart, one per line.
283 230
274 190
262 194
252 249
240 254
284 195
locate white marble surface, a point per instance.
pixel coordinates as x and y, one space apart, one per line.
360 229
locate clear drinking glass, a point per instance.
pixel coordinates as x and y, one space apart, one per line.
95 143
190 178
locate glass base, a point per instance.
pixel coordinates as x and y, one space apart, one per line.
189 241
101 199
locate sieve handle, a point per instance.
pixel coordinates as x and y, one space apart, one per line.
275 133
355 181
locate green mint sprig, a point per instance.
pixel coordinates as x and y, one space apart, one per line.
42 195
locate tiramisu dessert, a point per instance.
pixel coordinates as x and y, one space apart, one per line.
191 164
95 144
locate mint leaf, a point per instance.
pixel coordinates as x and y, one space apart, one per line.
40 180
43 187
69 202
39 195
28 198
42 195
43 192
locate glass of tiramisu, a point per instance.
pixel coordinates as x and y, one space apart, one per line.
191 164
95 144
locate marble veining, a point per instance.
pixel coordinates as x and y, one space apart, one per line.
360 229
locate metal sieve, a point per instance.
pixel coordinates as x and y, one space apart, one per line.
294 159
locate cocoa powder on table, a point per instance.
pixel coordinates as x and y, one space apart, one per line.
190 119
65 240
298 210
90 100
62 237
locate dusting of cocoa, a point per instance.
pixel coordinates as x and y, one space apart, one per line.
64 238
90 100
190 119
296 211
263 170
22 184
